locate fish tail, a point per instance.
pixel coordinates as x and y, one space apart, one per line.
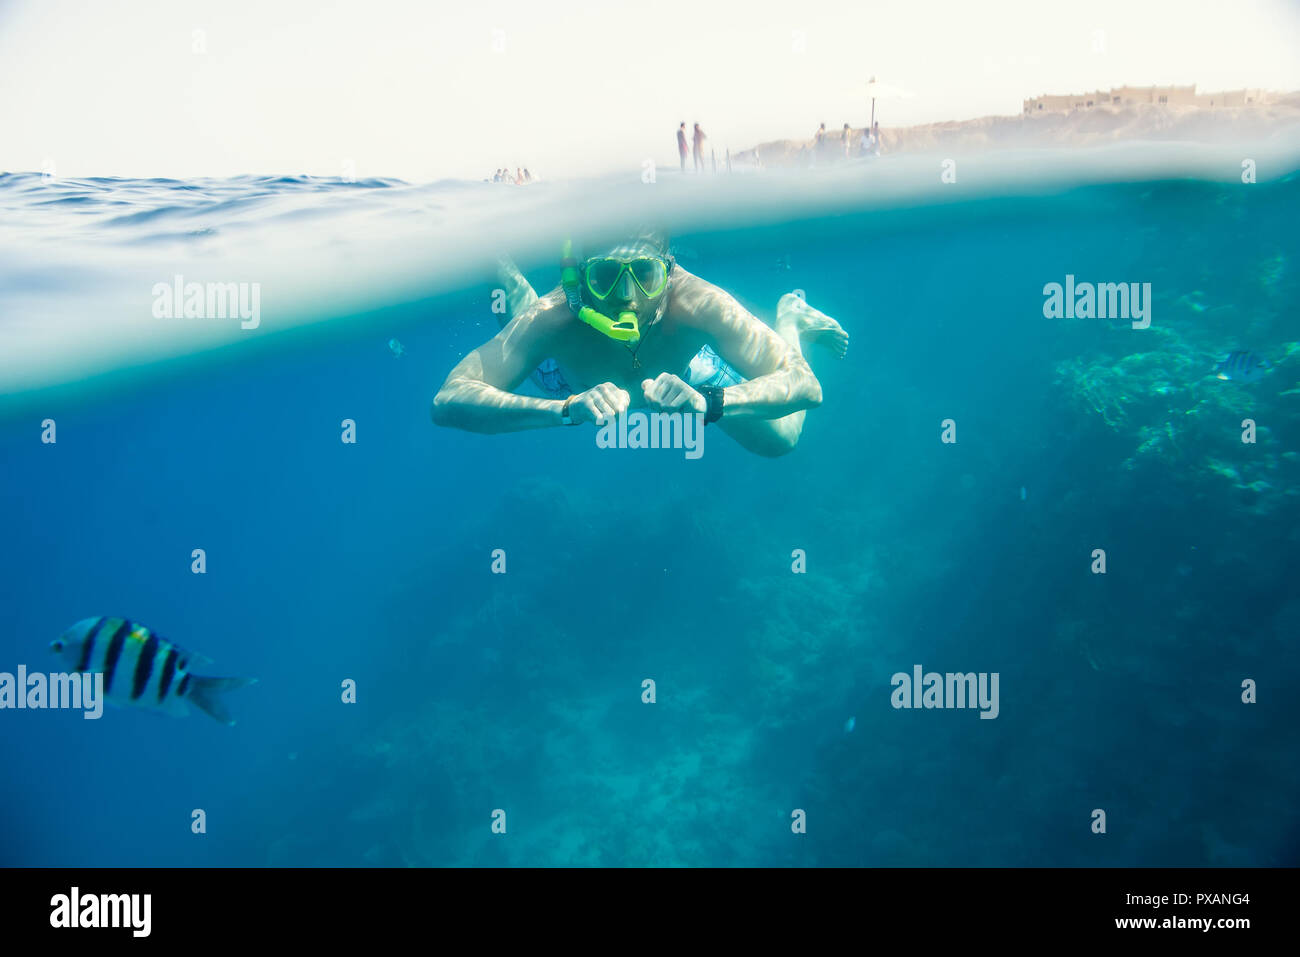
206 694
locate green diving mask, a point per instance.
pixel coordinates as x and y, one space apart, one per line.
604 273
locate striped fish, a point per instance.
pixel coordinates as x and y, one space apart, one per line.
141 669
1243 366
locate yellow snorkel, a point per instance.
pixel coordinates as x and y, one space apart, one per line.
624 328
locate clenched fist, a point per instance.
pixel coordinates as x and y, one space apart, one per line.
669 393
604 402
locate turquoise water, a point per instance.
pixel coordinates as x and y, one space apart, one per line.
523 691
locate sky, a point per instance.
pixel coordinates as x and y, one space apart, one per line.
429 90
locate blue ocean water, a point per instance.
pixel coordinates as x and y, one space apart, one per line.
523 691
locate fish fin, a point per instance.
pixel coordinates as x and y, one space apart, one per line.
205 694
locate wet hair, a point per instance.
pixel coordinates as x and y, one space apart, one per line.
653 237
648 238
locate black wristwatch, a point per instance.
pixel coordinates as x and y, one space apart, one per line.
713 394
564 412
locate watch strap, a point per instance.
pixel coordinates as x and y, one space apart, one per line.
713 395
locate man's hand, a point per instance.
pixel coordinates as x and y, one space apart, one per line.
668 393
600 404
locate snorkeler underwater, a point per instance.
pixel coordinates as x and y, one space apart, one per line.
782 437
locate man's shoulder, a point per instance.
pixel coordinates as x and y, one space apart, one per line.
549 316
696 301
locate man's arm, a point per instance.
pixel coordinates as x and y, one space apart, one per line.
477 395
780 382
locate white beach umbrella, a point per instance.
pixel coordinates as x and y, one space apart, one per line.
882 91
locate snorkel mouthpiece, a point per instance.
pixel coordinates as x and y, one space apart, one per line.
624 328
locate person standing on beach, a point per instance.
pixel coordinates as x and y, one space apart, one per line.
846 138
681 143
699 148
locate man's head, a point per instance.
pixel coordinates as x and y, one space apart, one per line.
625 285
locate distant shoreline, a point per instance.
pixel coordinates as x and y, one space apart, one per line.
1079 128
